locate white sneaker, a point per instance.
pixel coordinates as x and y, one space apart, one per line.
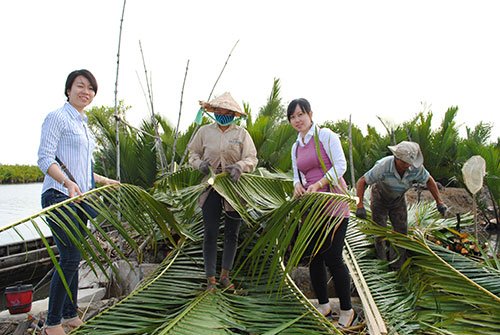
346 318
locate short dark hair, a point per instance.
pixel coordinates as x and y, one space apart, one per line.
72 76
305 106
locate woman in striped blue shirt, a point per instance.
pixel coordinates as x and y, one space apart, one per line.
67 137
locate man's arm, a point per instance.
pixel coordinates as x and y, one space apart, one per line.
432 187
360 191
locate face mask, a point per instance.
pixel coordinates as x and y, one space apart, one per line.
224 120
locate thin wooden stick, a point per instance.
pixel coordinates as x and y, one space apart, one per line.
176 134
390 131
351 160
117 116
158 142
143 91
209 96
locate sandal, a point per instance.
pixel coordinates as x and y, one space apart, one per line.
73 323
226 283
347 318
59 331
211 286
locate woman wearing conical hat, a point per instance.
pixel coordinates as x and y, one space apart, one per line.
221 146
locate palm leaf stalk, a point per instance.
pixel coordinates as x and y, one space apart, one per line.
173 301
393 300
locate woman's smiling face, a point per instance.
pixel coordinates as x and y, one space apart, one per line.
81 93
300 120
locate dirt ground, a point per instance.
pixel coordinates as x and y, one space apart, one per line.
458 200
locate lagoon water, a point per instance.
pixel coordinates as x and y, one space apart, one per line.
19 201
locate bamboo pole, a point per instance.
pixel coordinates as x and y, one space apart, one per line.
176 134
209 96
117 116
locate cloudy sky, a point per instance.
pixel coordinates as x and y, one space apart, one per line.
390 59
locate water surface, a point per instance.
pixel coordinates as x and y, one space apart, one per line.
17 202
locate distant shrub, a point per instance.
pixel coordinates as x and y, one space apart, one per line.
19 174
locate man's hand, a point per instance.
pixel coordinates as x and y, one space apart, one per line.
442 209
204 167
361 212
234 171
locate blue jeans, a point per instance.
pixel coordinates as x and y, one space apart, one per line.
61 305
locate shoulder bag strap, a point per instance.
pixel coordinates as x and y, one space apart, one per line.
65 169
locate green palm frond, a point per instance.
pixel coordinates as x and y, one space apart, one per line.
143 216
172 300
266 204
449 291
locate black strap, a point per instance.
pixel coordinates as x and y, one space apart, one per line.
65 169
298 171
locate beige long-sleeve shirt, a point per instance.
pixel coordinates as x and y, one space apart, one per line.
223 148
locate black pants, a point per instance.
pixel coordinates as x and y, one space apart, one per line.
332 258
212 211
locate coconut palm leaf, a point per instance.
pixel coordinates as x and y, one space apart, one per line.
276 217
127 209
172 300
446 293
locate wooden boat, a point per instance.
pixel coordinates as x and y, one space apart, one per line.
25 261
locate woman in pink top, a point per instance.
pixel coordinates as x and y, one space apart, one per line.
309 176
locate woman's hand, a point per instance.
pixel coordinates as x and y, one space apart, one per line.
73 189
314 187
299 190
108 181
104 181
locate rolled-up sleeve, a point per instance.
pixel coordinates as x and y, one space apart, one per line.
52 128
195 148
249 160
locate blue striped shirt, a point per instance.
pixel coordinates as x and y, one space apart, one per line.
65 134
388 180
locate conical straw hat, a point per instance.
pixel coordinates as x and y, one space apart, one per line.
224 101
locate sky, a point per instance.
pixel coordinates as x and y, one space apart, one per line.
360 59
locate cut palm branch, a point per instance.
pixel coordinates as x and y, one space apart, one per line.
140 216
